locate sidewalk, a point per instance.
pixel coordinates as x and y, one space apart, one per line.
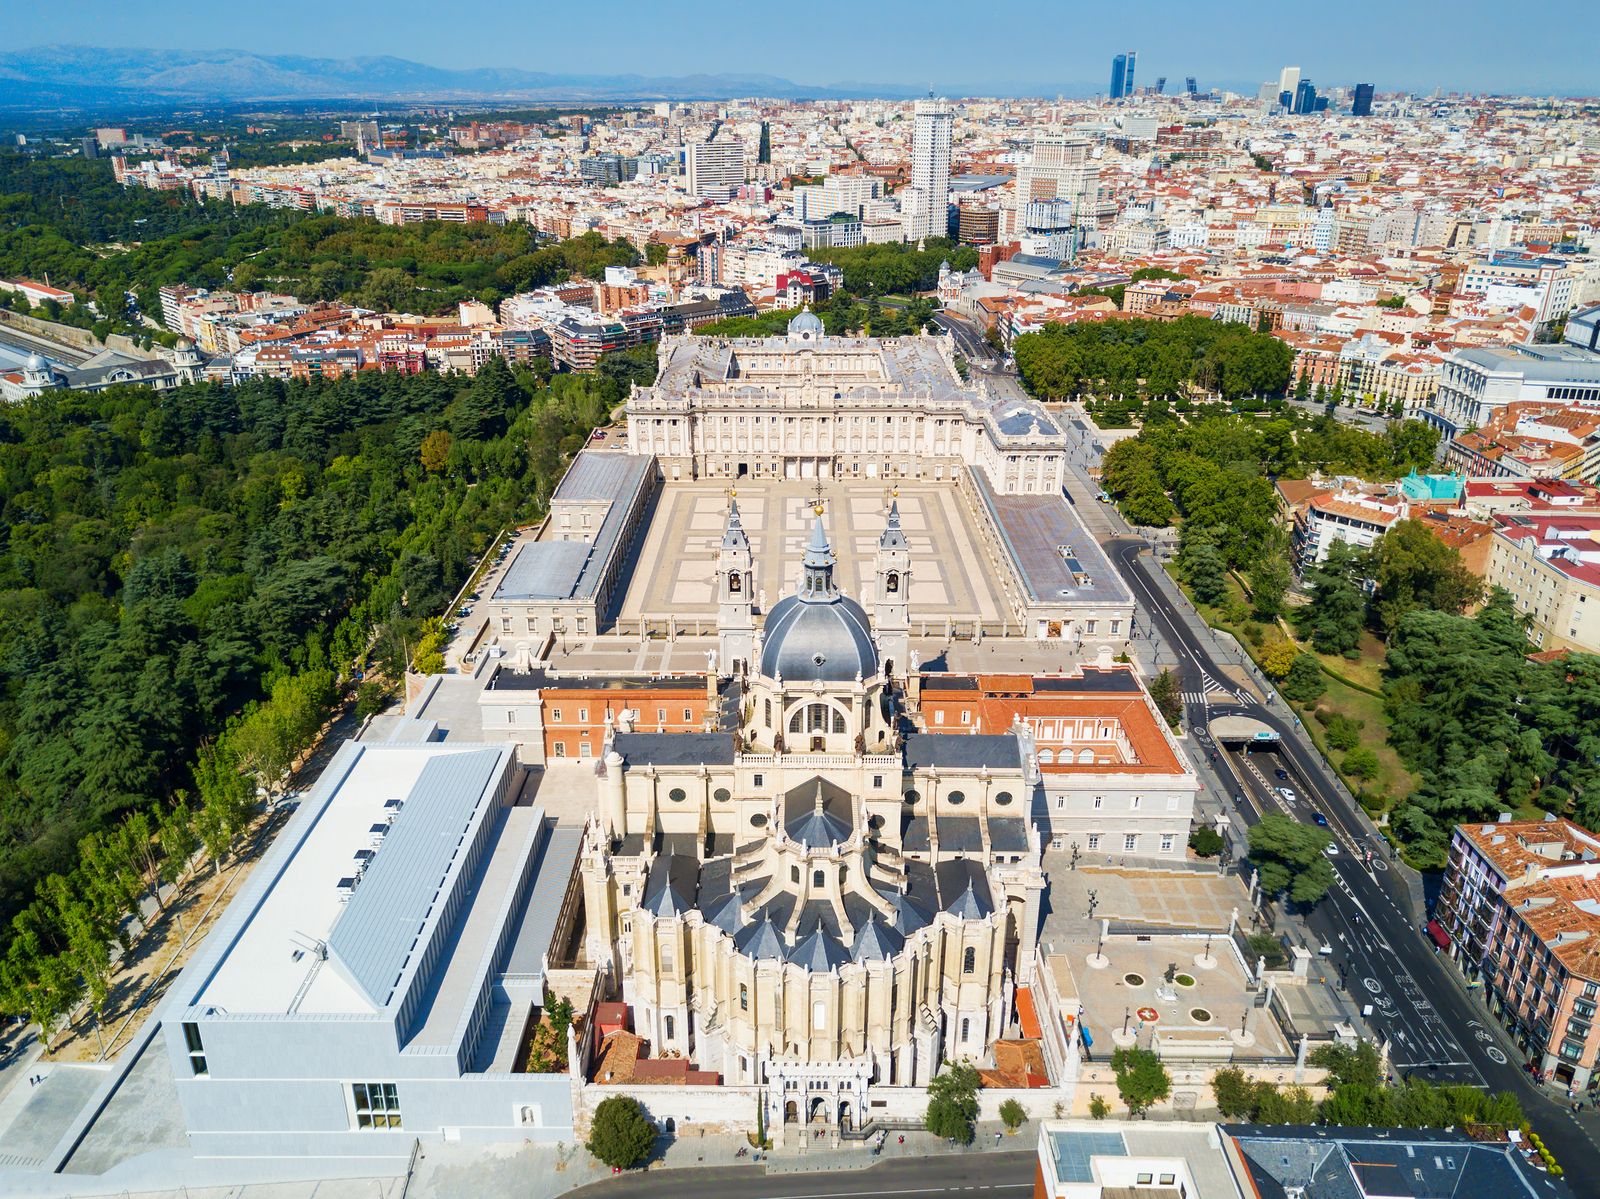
546 1171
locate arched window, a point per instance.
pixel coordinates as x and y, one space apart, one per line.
794 721
767 713
891 582
969 964
838 721
735 582
1086 756
1046 757
966 1030
744 998
671 1027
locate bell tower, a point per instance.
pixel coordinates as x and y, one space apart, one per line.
891 613
735 595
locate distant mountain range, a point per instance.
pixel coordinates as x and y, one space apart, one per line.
91 75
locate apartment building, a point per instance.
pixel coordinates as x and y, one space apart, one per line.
715 169
1551 567
1520 911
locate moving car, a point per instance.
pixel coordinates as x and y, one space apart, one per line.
1319 819
1282 774
1288 794
1331 849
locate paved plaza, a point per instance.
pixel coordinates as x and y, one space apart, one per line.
1191 900
952 576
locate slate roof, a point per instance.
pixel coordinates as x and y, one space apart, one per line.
963 750
760 941
817 813
876 941
1344 1163
674 749
963 889
819 952
671 885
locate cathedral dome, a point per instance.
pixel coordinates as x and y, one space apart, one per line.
818 634
807 325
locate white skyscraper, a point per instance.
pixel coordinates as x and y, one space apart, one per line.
926 203
715 169
1289 81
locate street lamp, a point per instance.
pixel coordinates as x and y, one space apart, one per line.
1074 864
1127 1014
1094 900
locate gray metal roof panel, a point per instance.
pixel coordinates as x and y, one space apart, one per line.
381 925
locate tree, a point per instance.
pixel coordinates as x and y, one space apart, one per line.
1357 1065
1099 1109
436 451
953 1103
1142 1080
1285 1105
1269 577
1168 696
1235 1093
1277 659
621 1135
1338 605
1414 569
1360 763
1289 857
1304 681
1012 1115
1206 841
1202 565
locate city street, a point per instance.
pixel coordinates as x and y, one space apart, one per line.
999 1174
1419 1001
1371 921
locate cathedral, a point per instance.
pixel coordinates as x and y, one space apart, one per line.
816 897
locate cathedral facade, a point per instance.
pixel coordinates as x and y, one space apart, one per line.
816 897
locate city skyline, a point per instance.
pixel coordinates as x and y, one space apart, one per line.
1475 51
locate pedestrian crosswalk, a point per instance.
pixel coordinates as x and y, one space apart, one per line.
1213 692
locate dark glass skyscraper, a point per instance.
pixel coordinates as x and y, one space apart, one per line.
1119 72
1361 106
1189 87
1127 80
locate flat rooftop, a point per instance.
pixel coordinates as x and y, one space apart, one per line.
1058 559
548 569
295 902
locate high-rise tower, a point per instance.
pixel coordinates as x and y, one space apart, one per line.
1119 72
925 209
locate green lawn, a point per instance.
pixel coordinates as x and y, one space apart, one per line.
1393 781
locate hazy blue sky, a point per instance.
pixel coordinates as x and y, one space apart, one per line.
958 45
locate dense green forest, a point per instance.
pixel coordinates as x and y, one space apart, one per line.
169 559
1144 358
1487 728
1216 469
896 268
68 220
